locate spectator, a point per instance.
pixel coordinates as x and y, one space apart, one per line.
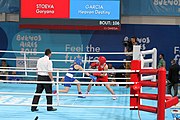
4 66
173 78
161 62
121 75
128 47
14 77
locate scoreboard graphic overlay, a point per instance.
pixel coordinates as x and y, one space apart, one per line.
71 14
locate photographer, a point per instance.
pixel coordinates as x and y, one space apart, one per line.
128 47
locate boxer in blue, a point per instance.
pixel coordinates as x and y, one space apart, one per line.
76 66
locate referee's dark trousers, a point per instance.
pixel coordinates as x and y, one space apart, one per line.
39 89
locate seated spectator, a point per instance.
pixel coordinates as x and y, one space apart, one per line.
121 75
111 75
3 66
14 77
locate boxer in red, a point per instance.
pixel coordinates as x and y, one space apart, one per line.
101 77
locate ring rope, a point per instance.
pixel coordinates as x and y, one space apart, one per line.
148 51
104 53
55 69
94 95
115 61
32 76
175 107
90 71
72 106
5 81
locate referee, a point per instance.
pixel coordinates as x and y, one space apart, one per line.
44 67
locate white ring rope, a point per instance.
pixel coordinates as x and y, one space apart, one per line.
148 61
94 95
71 106
49 82
65 71
32 76
148 52
104 53
90 71
150 77
19 68
115 61
176 107
55 69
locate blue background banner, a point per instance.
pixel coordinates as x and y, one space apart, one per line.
9 6
163 37
151 7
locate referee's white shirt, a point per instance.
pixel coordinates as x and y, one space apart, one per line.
45 65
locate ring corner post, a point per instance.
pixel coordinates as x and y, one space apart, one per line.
161 93
135 77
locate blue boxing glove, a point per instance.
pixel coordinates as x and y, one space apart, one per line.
94 78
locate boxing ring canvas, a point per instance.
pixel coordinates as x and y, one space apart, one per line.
12 112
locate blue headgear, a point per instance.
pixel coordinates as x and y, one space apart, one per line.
78 61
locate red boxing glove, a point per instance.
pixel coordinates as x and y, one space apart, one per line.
97 74
94 64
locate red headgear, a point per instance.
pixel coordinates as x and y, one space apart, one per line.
102 60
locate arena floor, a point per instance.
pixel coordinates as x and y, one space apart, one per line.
62 113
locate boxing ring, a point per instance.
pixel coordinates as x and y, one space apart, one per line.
16 96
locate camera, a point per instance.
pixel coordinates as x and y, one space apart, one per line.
127 43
